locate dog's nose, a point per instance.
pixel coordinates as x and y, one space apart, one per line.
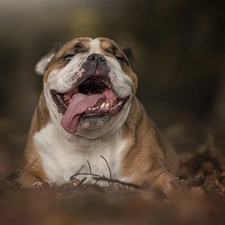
97 57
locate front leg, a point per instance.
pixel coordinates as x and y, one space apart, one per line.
29 180
164 182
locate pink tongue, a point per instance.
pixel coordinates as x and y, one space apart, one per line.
77 106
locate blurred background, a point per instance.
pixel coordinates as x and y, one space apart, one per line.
179 47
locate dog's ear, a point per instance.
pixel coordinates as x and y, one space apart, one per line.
128 52
44 61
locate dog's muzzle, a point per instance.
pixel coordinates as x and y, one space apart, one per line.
92 98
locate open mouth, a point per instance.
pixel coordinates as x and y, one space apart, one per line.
92 98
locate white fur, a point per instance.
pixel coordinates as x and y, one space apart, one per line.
61 158
63 80
42 64
95 46
64 154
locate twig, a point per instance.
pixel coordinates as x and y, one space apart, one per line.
81 182
121 182
98 178
92 173
110 172
78 171
86 174
95 176
89 167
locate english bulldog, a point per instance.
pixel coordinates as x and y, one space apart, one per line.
87 112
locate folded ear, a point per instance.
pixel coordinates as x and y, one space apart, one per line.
128 52
44 61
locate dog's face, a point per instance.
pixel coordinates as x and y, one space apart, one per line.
88 86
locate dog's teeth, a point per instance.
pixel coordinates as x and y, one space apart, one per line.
103 104
93 108
107 105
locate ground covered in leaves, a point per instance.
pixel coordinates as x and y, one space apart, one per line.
198 198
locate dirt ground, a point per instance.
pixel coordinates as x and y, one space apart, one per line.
198 198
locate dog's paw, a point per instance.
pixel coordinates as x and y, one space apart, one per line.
40 184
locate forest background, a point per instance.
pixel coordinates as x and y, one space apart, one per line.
179 48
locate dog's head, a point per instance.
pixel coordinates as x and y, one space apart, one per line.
88 85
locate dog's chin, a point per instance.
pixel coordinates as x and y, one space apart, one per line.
95 126
94 120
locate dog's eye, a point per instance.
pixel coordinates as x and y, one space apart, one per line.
82 50
119 59
67 58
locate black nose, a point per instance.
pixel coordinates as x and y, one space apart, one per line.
97 57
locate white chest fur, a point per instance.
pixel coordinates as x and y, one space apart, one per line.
62 158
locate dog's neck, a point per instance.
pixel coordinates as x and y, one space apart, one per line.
85 142
60 156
